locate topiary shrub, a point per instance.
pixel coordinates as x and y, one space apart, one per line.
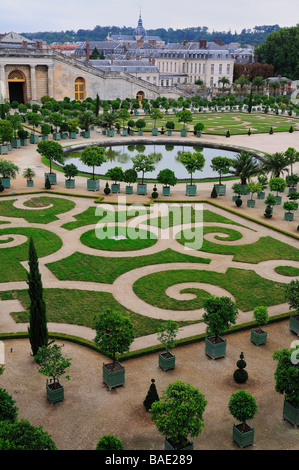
107 190
155 192
47 183
227 134
238 201
268 212
109 442
240 374
8 410
214 193
152 396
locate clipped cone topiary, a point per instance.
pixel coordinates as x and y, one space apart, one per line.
152 396
107 190
214 193
240 374
155 192
47 183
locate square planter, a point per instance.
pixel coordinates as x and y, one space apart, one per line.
115 187
141 188
124 132
52 177
93 185
169 132
258 337
215 350
16 143
234 198
45 137
166 360
5 182
86 134
4 150
244 191
140 132
33 139
183 132
191 189
64 136
243 439
261 195
30 183
55 394
289 216
169 446
56 136
220 189
111 133
294 324
154 131
129 189
166 190
113 378
70 183
72 135
250 203
292 190
24 142
278 200
198 134
290 413
104 132
131 132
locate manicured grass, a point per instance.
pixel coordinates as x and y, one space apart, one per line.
83 267
134 239
79 307
45 243
248 288
287 270
93 215
264 249
41 216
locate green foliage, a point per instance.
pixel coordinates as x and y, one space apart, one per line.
47 183
184 116
140 124
109 442
252 187
34 119
130 176
6 131
28 173
51 362
244 165
240 375
290 206
8 410
270 200
221 165
242 406
286 375
260 314
292 295
214 193
220 313
152 396
116 174
21 435
93 156
51 150
167 177
143 163
37 329
192 162
45 129
179 413
8 169
237 188
277 184
86 119
167 334
70 170
114 333
275 164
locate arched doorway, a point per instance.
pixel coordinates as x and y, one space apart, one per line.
140 96
17 86
79 89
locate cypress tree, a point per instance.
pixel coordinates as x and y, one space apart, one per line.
37 330
152 396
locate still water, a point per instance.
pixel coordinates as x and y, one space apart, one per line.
165 156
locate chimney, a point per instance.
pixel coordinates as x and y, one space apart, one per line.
185 42
39 44
25 44
202 44
218 41
87 49
140 42
111 59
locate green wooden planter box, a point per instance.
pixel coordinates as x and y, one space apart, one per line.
55 395
86 134
258 338
244 191
169 132
129 189
113 378
140 132
30 183
33 139
124 132
131 132
292 190
191 189
24 142
166 190
52 177
261 195
16 143
154 131
294 324
168 446
93 185
45 137
72 135
215 350
220 189
166 361
141 188
5 182
183 132
115 188
198 134
290 413
289 216
70 183
278 200
104 132
234 198
243 439
64 136
3 149
56 136
111 133
250 203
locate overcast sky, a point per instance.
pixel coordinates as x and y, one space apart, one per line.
60 15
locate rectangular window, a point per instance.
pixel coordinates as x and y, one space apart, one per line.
220 69
195 68
203 68
228 69
211 81
199 68
212 68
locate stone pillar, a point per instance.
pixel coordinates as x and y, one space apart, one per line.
50 81
2 84
33 83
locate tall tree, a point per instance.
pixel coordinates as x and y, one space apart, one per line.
37 330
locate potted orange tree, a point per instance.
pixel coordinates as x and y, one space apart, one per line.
292 295
166 335
114 335
242 406
93 156
259 336
220 313
192 162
